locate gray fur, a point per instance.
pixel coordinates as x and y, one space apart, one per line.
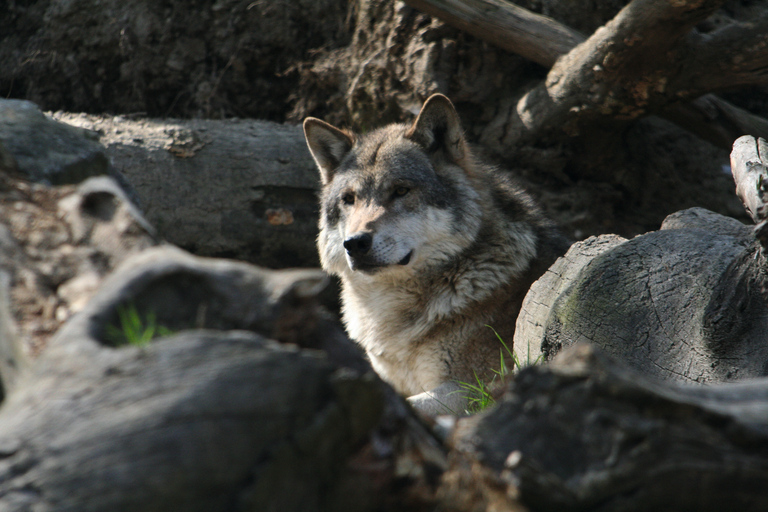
431 247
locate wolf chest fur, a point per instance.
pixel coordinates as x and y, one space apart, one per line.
431 246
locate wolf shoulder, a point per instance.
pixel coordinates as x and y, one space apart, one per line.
517 206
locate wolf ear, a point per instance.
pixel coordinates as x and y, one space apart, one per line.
327 144
438 127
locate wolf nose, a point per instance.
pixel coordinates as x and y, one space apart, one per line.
358 244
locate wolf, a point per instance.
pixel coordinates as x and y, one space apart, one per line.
431 245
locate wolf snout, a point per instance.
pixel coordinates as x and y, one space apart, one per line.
359 244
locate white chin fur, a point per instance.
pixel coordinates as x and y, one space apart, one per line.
428 237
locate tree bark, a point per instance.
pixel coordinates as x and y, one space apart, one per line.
715 120
201 421
735 55
586 433
214 416
612 73
683 303
236 189
506 25
621 72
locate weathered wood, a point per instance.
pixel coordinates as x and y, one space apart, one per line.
609 75
216 416
13 360
204 421
58 243
683 303
749 165
43 150
715 120
506 25
586 433
539 303
237 189
735 55
540 38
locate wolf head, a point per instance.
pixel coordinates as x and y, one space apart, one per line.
398 198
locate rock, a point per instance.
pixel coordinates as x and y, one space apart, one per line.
44 150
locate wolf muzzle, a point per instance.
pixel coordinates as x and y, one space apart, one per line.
359 254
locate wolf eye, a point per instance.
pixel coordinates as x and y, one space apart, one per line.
348 198
401 191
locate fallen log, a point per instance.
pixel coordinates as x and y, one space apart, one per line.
609 73
685 303
239 189
586 433
682 303
214 416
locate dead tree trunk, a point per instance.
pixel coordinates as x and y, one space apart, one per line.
236 189
586 433
684 303
215 416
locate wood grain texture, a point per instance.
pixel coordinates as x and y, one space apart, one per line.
684 303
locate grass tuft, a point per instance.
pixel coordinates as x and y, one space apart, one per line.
133 329
479 394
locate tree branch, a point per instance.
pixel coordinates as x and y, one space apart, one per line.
621 71
507 26
733 56
715 120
